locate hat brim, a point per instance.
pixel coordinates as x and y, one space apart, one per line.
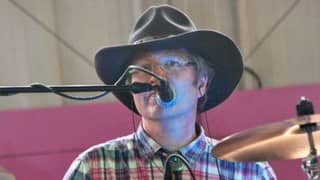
217 49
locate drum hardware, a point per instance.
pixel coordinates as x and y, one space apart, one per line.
296 138
310 163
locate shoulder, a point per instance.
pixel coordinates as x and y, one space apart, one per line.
243 170
108 149
101 157
248 170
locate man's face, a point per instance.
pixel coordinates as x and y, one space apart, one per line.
173 66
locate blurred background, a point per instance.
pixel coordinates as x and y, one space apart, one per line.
54 41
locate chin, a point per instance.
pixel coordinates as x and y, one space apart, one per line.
154 113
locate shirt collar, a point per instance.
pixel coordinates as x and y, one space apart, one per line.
192 152
146 145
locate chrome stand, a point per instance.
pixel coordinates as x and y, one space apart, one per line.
309 164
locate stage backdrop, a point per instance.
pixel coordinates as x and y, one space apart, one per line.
41 143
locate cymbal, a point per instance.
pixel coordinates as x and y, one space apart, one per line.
275 141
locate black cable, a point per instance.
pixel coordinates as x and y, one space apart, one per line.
218 167
272 29
255 76
86 98
135 67
178 155
81 98
209 133
133 119
217 162
264 38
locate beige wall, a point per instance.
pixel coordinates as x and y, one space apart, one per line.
288 56
27 53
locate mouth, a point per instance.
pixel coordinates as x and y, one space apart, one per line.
151 97
151 94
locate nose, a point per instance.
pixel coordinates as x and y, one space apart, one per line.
156 69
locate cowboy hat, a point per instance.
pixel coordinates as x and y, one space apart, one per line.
165 27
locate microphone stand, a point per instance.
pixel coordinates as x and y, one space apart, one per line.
40 88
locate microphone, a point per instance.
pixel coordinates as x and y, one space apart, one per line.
165 96
140 87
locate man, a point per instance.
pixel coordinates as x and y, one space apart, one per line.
201 68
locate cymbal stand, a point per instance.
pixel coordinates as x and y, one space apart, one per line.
310 163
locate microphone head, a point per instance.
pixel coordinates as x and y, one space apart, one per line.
164 104
165 92
165 95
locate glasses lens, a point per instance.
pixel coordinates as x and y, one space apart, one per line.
168 64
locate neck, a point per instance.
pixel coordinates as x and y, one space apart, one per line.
171 134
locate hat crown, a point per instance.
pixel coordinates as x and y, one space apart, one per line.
159 22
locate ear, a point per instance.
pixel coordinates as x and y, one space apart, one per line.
202 85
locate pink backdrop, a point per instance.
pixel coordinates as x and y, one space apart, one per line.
41 143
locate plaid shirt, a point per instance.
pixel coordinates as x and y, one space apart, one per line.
138 156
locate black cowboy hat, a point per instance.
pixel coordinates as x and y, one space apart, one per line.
165 27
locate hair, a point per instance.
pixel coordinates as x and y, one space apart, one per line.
203 69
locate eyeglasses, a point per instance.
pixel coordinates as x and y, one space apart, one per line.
168 64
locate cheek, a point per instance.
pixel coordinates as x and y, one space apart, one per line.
137 98
186 80
186 88
140 101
